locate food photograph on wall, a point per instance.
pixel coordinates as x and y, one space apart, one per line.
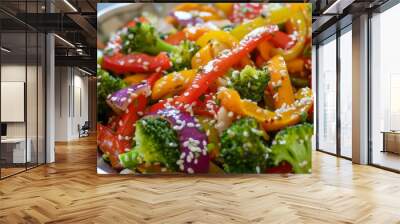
204 88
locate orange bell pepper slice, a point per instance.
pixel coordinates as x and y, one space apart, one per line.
172 83
227 8
293 114
135 79
271 121
279 84
194 32
295 66
265 50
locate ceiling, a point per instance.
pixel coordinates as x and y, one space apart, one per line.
73 20
331 15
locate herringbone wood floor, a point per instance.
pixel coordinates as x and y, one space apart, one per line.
69 191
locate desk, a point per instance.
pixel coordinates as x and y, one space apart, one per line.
391 141
13 150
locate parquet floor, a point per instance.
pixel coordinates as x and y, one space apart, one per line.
69 191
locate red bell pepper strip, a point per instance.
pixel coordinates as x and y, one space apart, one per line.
176 38
136 63
131 115
133 112
109 144
220 65
115 143
282 40
206 107
153 78
140 19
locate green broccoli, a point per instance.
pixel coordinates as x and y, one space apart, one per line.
156 141
182 57
106 84
293 145
144 38
250 82
243 148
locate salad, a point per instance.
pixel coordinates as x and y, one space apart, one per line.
209 88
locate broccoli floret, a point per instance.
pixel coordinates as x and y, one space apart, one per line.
250 82
243 148
106 84
182 57
156 141
144 38
293 145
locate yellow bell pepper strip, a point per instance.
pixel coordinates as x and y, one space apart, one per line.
172 83
135 79
240 31
221 64
221 36
279 84
276 15
300 26
215 41
203 56
271 121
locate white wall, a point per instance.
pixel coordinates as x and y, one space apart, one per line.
70 83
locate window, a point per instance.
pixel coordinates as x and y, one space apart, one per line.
385 89
346 93
327 96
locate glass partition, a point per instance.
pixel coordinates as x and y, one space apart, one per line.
22 77
327 96
14 153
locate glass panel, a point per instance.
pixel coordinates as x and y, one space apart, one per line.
32 88
385 86
327 96
31 99
346 94
13 85
41 99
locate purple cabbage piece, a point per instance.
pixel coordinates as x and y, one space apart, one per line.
185 18
120 100
193 143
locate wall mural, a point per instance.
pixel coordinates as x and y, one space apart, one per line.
190 88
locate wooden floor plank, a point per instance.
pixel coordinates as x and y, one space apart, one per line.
70 191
